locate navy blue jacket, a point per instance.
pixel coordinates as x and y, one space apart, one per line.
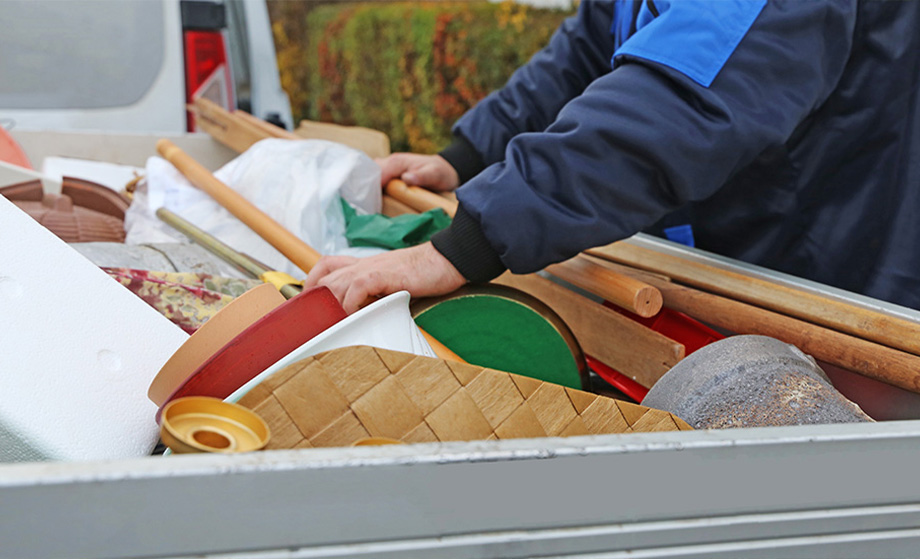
788 133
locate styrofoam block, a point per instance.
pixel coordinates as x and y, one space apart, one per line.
77 352
14 174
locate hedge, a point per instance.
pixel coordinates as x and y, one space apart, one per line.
408 69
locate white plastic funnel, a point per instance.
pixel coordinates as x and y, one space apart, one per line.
386 324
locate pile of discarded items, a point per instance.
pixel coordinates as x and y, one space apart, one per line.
215 346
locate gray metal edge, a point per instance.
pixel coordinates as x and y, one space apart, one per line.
514 498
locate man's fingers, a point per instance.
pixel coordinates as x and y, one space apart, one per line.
425 175
435 174
325 266
393 167
363 289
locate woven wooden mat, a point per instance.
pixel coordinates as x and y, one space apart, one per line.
345 395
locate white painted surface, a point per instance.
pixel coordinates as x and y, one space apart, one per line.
77 352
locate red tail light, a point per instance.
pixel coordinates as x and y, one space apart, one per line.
207 71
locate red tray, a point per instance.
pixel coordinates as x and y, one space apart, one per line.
262 344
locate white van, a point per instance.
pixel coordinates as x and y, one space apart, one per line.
132 66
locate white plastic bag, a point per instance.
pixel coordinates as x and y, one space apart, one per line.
297 183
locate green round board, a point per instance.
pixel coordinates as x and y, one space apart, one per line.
502 334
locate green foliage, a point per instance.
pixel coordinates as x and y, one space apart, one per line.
407 69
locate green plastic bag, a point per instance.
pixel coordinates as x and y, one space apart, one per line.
378 230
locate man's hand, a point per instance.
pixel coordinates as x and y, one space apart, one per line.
429 171
420 270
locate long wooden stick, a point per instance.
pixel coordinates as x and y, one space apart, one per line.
855 354
291 246
622 290
419 199
267 127
863 323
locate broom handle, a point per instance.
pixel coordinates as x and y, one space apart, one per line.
864 323
288 244
621 290
418 198
867 358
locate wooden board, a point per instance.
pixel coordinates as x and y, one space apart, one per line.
372 142
342 396
226 128
632 349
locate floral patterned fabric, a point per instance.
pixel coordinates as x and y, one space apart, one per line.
187 299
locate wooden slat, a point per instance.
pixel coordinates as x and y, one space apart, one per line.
374 143
855 354
224 127
860 322
632 349
267 127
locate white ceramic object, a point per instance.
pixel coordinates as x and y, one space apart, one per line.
386 324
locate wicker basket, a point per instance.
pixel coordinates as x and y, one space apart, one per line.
343 396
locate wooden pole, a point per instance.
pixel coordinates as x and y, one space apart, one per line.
418 198
621 290
855 354
864 323
297 251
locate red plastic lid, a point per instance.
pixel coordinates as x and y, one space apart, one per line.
262 344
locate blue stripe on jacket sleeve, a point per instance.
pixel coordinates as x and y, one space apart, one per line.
694 37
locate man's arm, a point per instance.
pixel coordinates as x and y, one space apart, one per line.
646 139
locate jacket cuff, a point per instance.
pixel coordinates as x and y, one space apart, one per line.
466 247
463 157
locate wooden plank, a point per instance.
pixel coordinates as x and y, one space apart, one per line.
863 323
267 127
224 127
374 143
632 349
855 354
